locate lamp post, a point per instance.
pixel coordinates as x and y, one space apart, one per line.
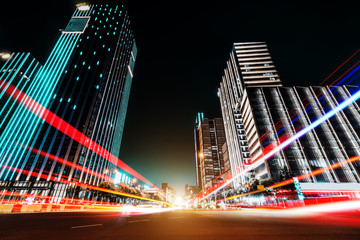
83 6
5 55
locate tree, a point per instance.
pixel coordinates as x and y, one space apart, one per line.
106 195
107 185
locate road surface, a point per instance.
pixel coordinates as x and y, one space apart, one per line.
172 225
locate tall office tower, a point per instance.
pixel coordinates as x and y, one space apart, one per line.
86 82
259 112
209 138
250 65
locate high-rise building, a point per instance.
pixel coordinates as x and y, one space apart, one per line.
164 186
227 168
259 112
190 192
209 138
86 82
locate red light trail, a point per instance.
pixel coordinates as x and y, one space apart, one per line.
68 163
44 176
279 124
58 123
301 177
338 69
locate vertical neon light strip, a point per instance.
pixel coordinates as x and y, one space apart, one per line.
8 101
21 112
11 104
29 91
107 112
72 39
77 13
8 62
49 92
53 69
13 73
8 65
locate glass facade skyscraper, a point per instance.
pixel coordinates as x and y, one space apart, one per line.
86 82
259 113
209 138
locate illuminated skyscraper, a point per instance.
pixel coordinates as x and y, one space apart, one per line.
259 113
209 138
85 81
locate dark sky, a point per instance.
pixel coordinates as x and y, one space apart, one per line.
182 50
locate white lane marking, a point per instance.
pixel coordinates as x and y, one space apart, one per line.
174 217
135 221
84 226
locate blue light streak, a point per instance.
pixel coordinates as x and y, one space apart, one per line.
290 140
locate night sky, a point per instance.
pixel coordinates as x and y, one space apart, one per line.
183 47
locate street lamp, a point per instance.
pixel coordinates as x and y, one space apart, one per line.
83 6
5 55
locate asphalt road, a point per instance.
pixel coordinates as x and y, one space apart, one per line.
172 225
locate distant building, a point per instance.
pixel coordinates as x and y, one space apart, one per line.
164 186
258 112
190 191
227 168
209 137
169 192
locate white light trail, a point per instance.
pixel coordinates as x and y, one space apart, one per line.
290 140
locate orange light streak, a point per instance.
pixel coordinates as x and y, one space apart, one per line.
44 176
303 176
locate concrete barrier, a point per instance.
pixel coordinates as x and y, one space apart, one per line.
19 208
6 208
25 208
